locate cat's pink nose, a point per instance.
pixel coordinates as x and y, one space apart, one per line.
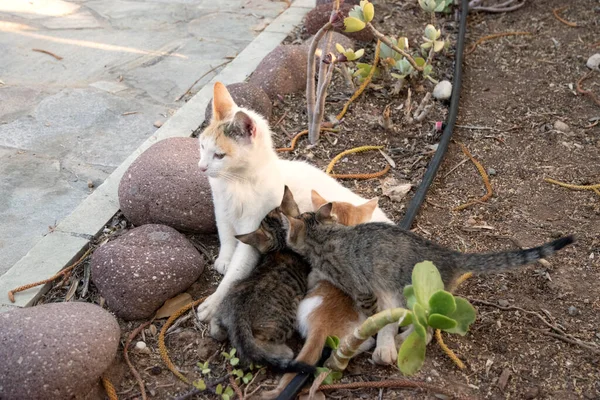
203 169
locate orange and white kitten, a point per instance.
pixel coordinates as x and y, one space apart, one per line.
247 179
326 310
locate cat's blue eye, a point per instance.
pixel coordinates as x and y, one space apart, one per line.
219 156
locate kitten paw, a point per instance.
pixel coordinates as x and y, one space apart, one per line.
208 307
385 355
221 265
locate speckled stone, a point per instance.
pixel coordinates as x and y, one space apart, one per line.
246 95
55 351
165 186
137 272
318 16
282 71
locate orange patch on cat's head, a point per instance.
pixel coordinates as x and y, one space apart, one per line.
345 213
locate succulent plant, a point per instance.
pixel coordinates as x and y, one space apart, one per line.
349 53
433 307
359 17
431 39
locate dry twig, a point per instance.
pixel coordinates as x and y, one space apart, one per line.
49 53
561 19
134 371
587 92
484 176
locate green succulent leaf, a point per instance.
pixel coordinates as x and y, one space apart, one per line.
407 320
228 391
441 302
225 397
426 279
333 342
234 361
464 315
430 32
247 378
411 355
356 12
353 24
238 372
199 384
428 5
420 62
409 291
226 355
397 76
438 45
426 45
439 321
219 389
368 11
420 320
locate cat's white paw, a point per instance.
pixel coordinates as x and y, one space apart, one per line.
385 355
208 307
221 265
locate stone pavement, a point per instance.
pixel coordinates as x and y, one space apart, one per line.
66 124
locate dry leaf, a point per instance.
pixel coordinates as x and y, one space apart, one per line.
395 190
173 305
152 329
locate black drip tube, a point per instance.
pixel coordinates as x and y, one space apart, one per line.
300 380
419 197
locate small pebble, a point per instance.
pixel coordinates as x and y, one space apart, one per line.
90 183
491 172
573 311
443 90
561 126
503 303
158 123
594 62
140 345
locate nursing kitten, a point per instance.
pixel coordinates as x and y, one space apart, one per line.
247 179
376 259
259 312
326 310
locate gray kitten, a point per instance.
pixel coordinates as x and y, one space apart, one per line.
378 259
259 312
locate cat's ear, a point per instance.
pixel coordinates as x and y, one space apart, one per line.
257 239
370 206
246 125
222 102
324 213
288 204
293 227
317 200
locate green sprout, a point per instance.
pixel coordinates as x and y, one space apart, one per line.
359 17
435 5
349 53
431 39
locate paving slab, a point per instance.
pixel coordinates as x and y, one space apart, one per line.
75 129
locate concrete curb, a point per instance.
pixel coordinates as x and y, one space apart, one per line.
73 234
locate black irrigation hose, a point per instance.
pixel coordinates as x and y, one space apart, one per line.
417 200
300 380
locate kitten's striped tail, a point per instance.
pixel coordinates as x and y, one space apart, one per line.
491 262
265 353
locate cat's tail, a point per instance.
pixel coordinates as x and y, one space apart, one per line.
498 261
277 356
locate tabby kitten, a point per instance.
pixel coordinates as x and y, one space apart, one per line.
259 312
326 310
376 259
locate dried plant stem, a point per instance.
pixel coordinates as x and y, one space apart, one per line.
298 136
233 384
484 176
64 272
134 371
349 151
48 52
310 71
162 348
315 125
363 85
498 8
561 19
338 361
595 188
109 388
392 46
587 92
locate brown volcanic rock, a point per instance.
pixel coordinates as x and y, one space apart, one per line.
55 351
282 71
137 272
246 95
319 16
165 186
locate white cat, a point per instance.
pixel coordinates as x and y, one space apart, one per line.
247 181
